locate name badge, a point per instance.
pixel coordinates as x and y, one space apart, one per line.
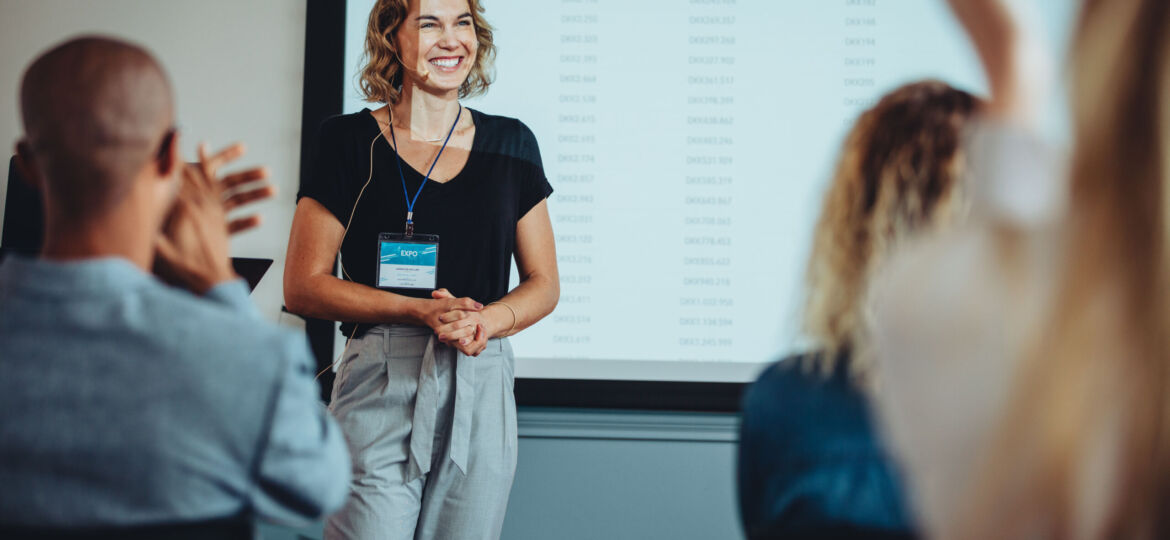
408 262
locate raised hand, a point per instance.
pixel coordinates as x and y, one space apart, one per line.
1010 46
193 250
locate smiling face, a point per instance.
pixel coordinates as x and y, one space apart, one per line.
437 44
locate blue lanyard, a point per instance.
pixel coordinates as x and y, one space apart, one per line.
410 201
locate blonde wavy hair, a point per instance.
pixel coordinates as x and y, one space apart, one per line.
1082 449
898 174
381 76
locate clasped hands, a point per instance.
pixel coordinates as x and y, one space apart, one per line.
458 322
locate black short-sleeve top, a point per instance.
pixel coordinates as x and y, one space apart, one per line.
474 213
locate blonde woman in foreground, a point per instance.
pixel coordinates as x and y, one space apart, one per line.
1024 356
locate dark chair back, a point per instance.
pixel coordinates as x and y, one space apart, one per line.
221 529
24 218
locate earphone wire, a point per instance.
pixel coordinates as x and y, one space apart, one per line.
352 211
340 259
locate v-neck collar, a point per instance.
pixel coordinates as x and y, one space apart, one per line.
409 170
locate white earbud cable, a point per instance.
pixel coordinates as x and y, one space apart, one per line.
340 259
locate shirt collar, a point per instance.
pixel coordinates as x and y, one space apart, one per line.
100 275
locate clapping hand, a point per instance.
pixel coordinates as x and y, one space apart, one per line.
193 250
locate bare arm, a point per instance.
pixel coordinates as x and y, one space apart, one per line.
951 310
540 283
532 300
1014 60
311 289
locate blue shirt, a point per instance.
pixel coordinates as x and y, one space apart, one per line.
811 464
127 402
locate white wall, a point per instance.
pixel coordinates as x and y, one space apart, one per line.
237 68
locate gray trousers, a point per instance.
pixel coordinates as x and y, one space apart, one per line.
433 437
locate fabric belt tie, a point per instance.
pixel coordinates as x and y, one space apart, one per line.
426 409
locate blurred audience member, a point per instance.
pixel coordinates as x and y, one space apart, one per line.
810 463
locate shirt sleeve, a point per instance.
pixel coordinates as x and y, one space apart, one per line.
303 470
331 177
1016 177
534 186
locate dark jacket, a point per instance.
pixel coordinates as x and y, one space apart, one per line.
810 462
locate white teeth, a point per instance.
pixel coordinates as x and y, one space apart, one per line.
446 63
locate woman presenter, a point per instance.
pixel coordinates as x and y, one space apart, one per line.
428 202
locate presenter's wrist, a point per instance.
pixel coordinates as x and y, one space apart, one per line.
498 320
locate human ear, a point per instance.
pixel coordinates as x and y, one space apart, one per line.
168 168
167 160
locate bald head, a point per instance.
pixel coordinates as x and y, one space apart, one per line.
96 111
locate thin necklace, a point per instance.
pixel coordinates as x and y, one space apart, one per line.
390 115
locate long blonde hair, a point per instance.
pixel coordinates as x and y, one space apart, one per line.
1089 420
898 174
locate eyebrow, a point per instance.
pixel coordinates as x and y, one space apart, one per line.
436 19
